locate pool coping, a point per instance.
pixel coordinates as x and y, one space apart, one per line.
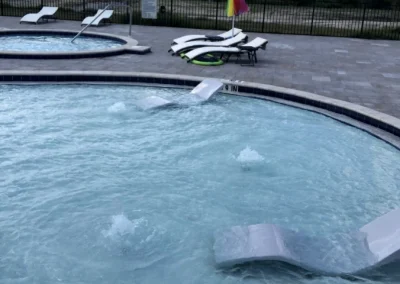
129 45
381 125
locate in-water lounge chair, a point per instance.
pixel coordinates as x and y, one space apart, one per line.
374 245
44 15
249 48
103 18
220 37
186 46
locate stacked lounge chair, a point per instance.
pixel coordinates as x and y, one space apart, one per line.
103 18
249 48
226 35
44 15
187 46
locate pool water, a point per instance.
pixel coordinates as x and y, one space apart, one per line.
94 190
42 43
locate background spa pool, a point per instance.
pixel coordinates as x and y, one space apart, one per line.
94 190
54 43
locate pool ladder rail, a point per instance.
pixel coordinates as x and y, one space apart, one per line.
105 8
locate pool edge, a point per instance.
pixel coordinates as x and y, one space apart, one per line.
381 121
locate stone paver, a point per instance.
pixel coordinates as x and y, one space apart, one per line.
367 74
341 51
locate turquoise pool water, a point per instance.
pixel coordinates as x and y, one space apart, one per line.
59 43
93 190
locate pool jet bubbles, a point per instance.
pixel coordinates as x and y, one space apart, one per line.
248 158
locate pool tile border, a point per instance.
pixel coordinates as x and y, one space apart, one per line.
129 45
362 114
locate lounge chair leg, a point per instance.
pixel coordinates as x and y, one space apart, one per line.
238 57
251 59
229 56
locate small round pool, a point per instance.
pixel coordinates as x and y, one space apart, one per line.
59 43
56 44
94 190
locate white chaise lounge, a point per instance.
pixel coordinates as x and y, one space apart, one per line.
153 102
103 18
372 246
179 48
201 93
44 14
249 48
220 37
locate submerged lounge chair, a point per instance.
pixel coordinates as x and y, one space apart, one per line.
105 17
219 37
372 246
44 14
179 48
249 48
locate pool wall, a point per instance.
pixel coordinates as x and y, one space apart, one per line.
129 45
380 124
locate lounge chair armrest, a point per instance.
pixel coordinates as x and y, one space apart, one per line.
214 38
247 48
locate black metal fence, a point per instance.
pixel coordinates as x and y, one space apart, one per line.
350 18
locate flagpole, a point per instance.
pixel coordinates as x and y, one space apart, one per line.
233 25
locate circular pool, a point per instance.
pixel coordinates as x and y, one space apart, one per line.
95 190
57 44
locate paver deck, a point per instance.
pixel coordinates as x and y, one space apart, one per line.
365 72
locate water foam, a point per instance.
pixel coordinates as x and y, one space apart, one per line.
249 155
121 226
117 108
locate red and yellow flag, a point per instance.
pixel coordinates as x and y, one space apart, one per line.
236 7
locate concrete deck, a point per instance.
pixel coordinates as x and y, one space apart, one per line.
365 72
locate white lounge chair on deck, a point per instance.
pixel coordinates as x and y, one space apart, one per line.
249 48
179 48
372 246
219 37
44 14
105 17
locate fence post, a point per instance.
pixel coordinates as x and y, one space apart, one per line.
312 17
41 3
216 16
1 7
127 12
84 8
363 18
265 5
170 13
